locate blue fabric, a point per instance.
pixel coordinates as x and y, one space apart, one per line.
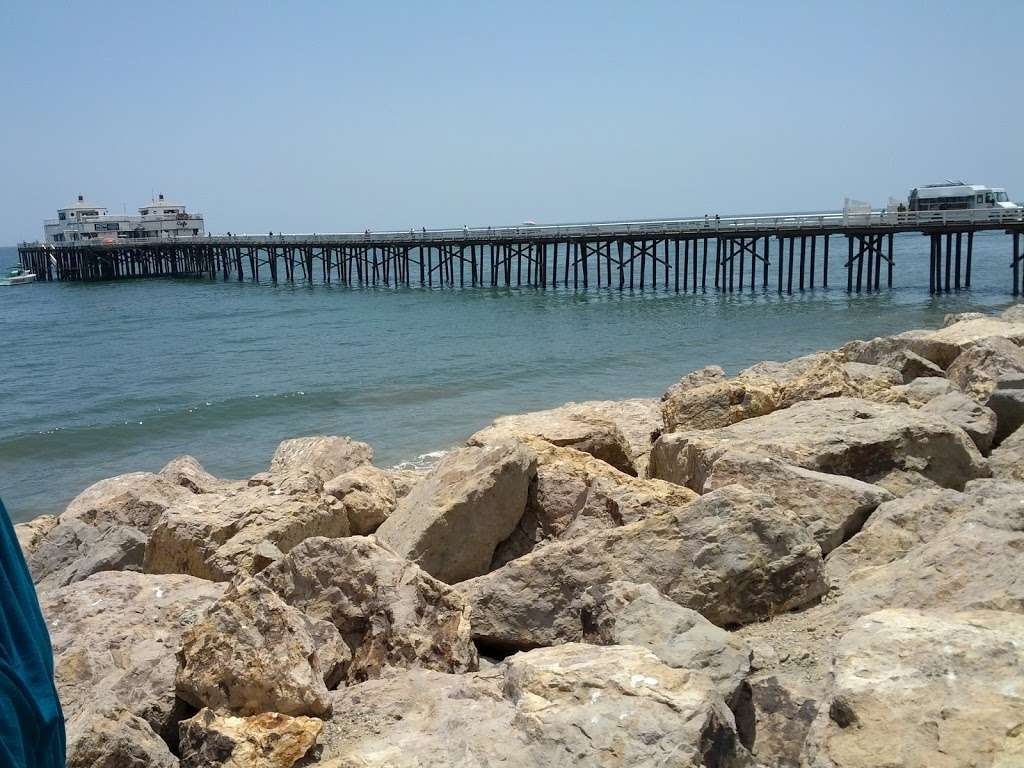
31 722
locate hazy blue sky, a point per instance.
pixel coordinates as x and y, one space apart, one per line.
331 116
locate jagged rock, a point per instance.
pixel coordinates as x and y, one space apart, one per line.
977 369
571 705
912 688
114 636
321 456
136 500
389 611
114 738
784 708
1007 402
73 550
187 472
623 613
268 740
894 529
958 317
968 333
732 555
575 494
30 534
962 411
924 389
1007 461
833 507
404 480
705 401
910 353
587 427
452 521
367 494
253 653
214 536
843 436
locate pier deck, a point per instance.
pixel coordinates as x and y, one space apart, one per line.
728 254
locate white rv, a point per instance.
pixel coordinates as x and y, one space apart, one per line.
958 196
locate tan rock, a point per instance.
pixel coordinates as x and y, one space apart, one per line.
717 403
570 705
253 653
367 494
832 507
843 436
453 520
404 480
1007 461
114 636
321 456
214 536
958 317
1013 313
389 611
967 333
575 494
923 689
912 353
34 531
114 738
269 740
971 416
587 427
977 369
136 500
924 389
187 472
732 555
1007 402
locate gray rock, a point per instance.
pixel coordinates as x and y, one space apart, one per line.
833 507
114 738
1007 461
927 689
784 708
33 532
253 653
978 421
924 389
73 550
733 555
912 353
552 707
1007 401
453 520
389 611
843 436
114 636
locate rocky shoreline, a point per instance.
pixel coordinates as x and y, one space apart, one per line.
813 563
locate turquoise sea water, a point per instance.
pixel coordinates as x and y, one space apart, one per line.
106 378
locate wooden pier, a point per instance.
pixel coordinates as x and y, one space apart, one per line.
686 255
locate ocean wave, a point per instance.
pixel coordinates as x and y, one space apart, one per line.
422 463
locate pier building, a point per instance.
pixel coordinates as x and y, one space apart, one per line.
83 221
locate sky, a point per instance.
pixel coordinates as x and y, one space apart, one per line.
342 116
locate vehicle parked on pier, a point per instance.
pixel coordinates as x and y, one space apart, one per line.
958 196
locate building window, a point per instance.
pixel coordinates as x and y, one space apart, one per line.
62 216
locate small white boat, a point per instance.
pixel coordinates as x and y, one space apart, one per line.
18 276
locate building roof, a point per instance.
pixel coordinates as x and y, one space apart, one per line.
81 204
161 202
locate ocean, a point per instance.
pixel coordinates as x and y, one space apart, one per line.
105 378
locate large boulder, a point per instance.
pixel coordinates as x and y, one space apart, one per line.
368 495
113 737
1007 402
705 399
977 369
574 494
924 389
1007 461
114 636
733 555
320 456
137 500
618 433
187 472
924 689
783 707
623 613
956 338
268 740
978 421
254 653
218 536
571 705
389 612
453 520
833 507
843 436
74 550
1013 314
912 353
